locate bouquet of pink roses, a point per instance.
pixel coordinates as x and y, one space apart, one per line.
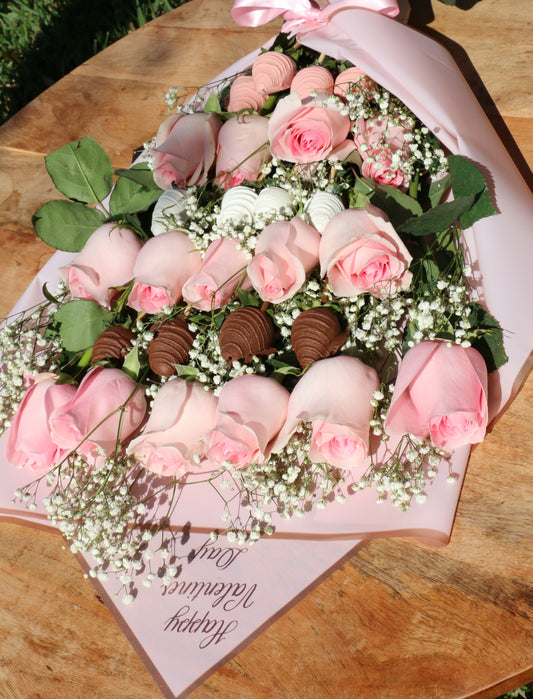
275 299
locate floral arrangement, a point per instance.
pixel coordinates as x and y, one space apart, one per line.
274 299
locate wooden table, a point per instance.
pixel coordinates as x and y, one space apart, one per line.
398 619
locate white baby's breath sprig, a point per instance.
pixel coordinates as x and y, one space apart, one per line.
288 484
28 347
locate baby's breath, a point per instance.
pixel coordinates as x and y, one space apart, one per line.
288 484
26 349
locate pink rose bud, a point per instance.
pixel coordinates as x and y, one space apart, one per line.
242 149
272 72
163 265
223 270
251 411
352 80
284 254
378 165
309 130
170 442
30 444
378 131
312 79
105 261
360 252
440 392
243 95
185 149
334 395
377 141
92 422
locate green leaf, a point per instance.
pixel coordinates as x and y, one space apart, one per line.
284 369
129 197
490 337
81 322
467 180
81 170
140 173
132 364
431 270
130 221
437 189
364 186
218 319
85 358
48 294
248 299
66 225
357 200
124 293
438 219
396 204
269 104
212 104
186 372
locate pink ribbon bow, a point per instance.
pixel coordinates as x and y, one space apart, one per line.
302 16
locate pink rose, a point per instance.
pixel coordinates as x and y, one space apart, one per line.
378 130
251 411
440 392
361 252
243 95
163 265
309 130
223 269
312 79
185 149
105 261
242 149
169 443
92 422
285 252
334 395
382 145
273 71
378 165
29 442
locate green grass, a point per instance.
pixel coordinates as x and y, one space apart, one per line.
42 40
525 692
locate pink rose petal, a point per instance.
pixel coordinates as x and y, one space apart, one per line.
440 391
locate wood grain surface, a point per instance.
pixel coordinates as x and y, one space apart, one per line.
398 619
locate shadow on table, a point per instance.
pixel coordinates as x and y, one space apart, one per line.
422 15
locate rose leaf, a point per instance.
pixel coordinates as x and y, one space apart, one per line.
140 173
81 322
489 340
438 219
467 179
129 196
66 225
81 170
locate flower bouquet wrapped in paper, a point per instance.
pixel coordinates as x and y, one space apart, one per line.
293 315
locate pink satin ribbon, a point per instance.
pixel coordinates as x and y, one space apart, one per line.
302 16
